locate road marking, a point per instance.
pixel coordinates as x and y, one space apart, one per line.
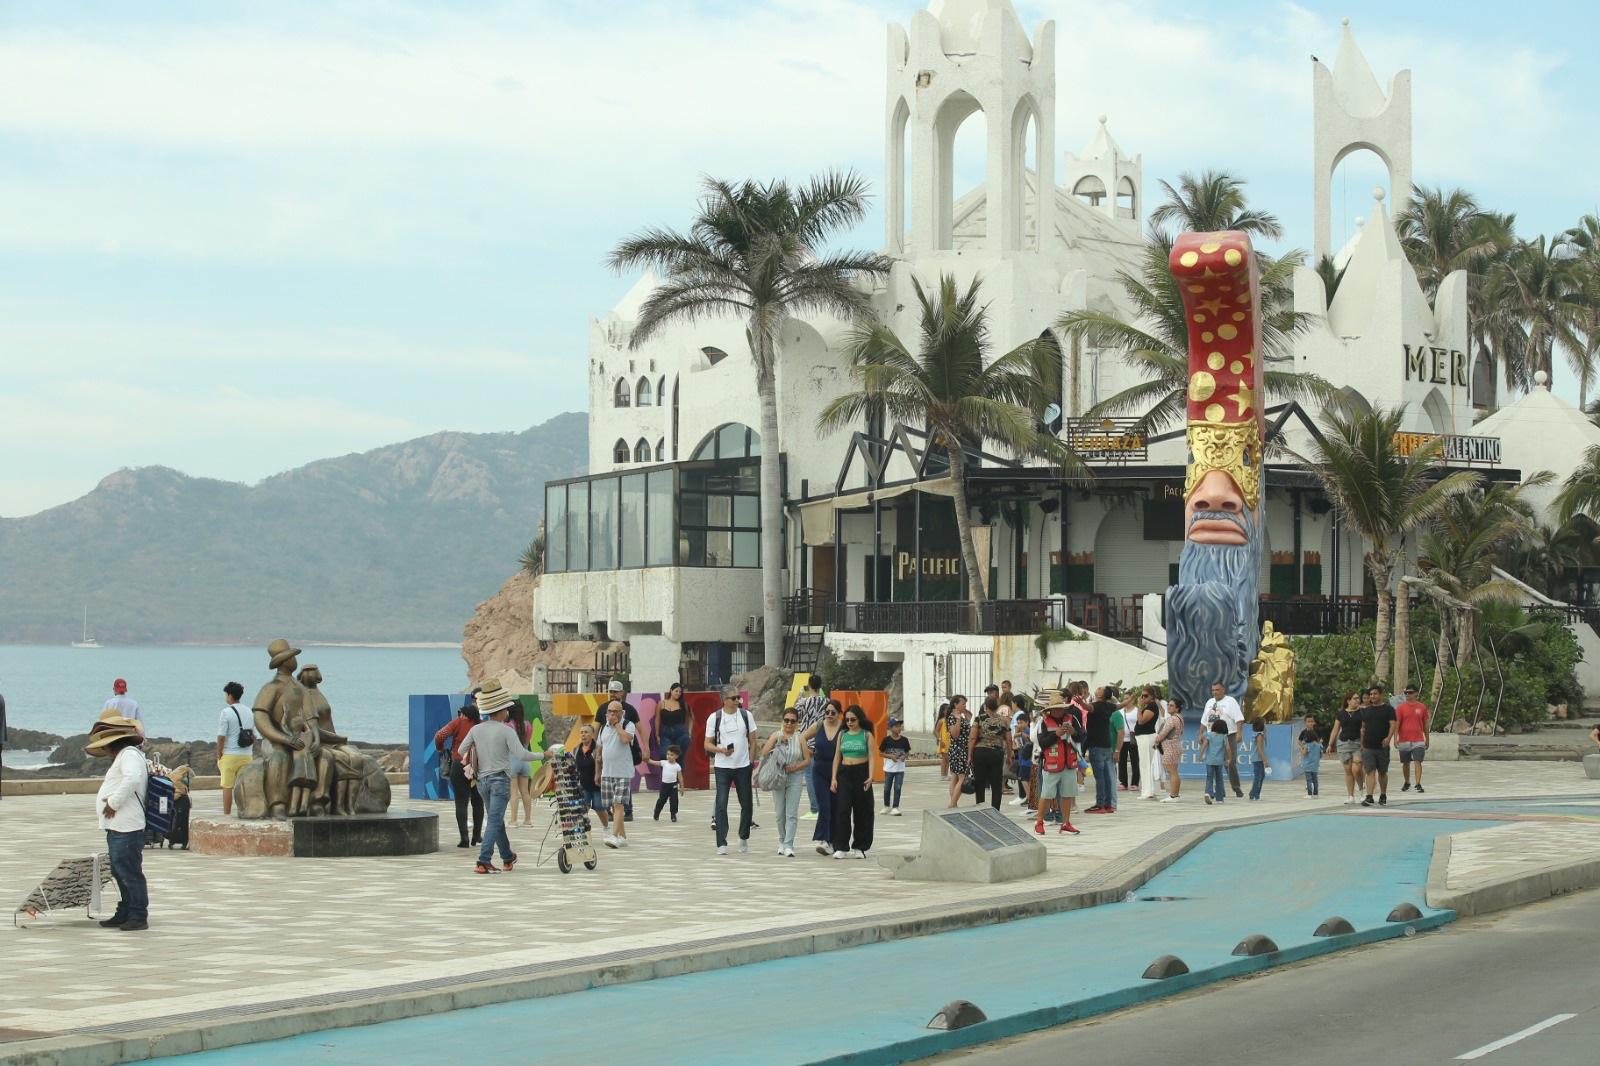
1478 1053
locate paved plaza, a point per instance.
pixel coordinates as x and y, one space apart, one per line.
254 932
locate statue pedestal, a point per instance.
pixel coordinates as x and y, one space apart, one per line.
397 832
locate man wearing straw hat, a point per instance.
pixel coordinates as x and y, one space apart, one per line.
492 747
120 803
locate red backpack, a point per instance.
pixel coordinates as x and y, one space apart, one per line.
1060 756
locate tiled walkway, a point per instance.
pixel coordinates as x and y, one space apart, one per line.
237 932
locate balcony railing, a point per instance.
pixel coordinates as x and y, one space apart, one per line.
994 618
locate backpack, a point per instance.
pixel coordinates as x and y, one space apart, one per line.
247 736
771 775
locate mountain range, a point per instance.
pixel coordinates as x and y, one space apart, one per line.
393 544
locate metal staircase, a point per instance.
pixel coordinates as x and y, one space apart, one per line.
805 623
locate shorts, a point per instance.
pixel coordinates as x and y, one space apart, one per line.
1375 759
229 766
1063 785
616 791
521 768
1349 750
1411 751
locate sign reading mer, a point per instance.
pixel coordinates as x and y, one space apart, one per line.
1429 364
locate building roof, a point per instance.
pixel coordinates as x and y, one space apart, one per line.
961 24
1541 431
1373 253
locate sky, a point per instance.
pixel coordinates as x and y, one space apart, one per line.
236 237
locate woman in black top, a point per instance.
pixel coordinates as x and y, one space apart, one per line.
989 749
1347 730
1144 737
584 754
672 722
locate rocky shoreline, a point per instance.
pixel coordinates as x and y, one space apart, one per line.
68 760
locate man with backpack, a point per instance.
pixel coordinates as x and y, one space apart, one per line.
1058 767
235 741
120 804
730 735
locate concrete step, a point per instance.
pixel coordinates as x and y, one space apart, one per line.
1584 724
1522 755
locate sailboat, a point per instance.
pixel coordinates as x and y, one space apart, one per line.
87 641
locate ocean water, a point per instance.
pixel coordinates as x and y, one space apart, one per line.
179 688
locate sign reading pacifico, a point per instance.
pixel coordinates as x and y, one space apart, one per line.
1211 611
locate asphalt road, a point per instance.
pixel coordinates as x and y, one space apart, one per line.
1432 998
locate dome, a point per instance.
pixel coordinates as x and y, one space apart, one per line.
961 24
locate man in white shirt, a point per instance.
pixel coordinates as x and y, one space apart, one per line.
730 734
1227 708
123 704
120 807
614 766
235 740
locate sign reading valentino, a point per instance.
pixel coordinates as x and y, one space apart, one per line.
1436 366
1456 448
1113 440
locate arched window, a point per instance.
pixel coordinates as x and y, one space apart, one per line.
621 395
1127 199
619 451
641 451
642 393
677 386
961 131
661 449
731 440
661 391
1090 189
714 355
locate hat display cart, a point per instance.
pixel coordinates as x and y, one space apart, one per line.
571 818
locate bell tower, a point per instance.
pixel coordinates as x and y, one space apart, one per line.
959 57
1351 112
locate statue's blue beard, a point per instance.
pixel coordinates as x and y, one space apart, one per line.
1212 632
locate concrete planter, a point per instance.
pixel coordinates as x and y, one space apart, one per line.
1444 747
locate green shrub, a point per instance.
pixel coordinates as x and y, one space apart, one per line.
854 675
1049 636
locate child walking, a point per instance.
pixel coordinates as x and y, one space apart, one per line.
895 749
1214 753
1311 749
1258 757
1022 747
671 769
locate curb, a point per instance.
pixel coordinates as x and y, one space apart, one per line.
936 1042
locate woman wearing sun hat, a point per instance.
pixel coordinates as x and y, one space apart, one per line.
120 803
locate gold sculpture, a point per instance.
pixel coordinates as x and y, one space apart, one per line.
1271 691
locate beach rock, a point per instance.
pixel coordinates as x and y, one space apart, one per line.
499 641
31 740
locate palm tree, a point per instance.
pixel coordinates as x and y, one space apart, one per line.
1583 241
1382 493
1155 339
1580 493
1542 288
1214 200
950 387
1459 553
757 251
1544 555
1331 276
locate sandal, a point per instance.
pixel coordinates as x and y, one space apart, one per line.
485 868
507 865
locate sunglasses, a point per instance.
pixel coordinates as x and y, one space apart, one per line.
790 721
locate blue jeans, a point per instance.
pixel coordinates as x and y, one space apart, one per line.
811 791
127 868
496 789
1311 783
1258 771
787 801
674 736
1214 782
893 781
739 780
1102 762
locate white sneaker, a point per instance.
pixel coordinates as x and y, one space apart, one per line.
886 810
895 811
1167 799
1208 799
744 847
622 842
780 851
722 849
1019 802
788 853
858 854
841 855
610 841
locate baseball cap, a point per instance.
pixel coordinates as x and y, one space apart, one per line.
119 686
897 721
615 686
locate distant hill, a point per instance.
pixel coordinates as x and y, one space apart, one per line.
395 544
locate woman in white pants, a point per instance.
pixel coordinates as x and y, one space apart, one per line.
1144 736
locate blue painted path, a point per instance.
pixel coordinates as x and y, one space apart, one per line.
871 1004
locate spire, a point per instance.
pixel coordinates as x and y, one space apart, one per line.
1372 253
1102 146
1353 81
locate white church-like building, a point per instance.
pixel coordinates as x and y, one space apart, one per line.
658 544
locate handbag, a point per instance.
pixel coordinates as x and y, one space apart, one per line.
247 736
771 774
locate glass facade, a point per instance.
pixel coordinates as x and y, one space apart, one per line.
706 512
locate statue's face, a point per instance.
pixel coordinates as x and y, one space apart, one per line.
313 677
291 666
1214 513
